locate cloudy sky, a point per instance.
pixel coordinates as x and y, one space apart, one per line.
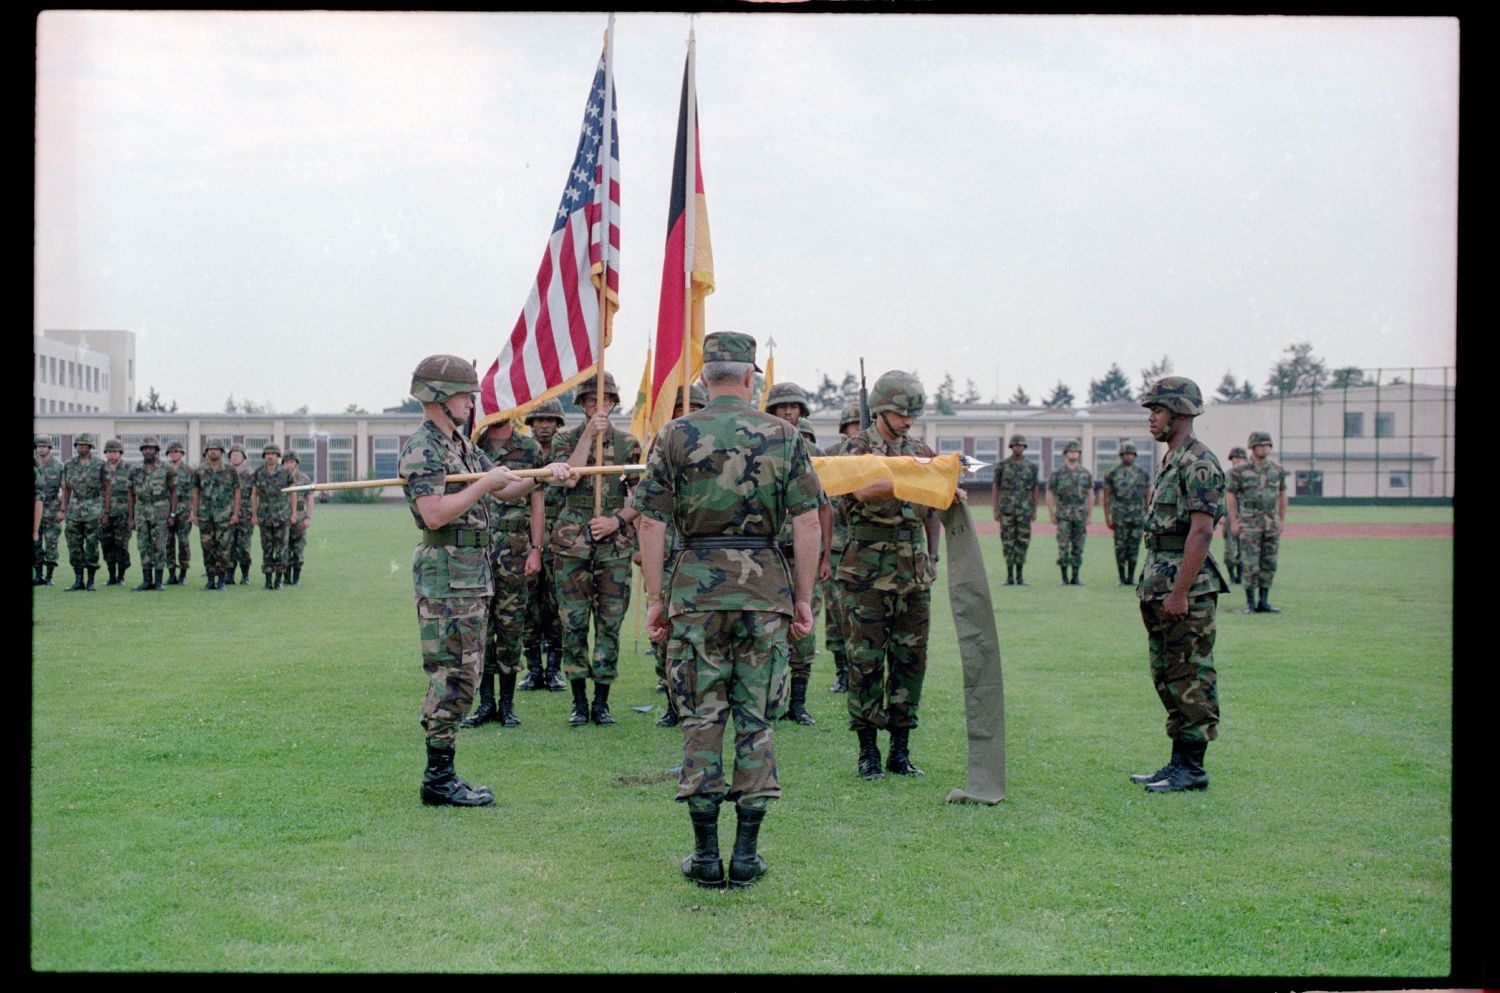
296 207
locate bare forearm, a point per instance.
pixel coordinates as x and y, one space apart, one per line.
805 540
652 536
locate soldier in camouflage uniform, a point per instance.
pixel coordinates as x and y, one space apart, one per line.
728 476
833 598
1257 509
515 560
179 529
451 565
244 531
216 510
1180 584
788 401
591 555
1125 486
299 520
271 511
697 400
1232 540
1070 499
153 502
1013 500
84 499
114 529
886 571
543 630
49 472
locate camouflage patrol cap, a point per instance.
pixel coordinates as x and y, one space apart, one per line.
1259 438
547 409
1238 453
697 396
439 377
1128 449
41 439
1017 439
849 415
805 429
114 445
897 392
270 448
729 346
1178 394
213 443
590 386
1073 445
84 439
150 441
788 393
176 446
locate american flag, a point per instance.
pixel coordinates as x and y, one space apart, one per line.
555 343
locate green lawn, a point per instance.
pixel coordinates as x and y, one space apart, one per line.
228 781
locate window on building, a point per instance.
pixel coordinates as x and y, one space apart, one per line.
387 457
253 444
306 448
946 445
105 387
1400 479
340 458
1309 482
52 370
1385 424
1354 425
987 449
132 443
1106 454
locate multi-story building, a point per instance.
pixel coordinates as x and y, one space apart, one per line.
82 371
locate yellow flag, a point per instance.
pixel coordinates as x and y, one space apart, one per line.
640 416
930 482
770 380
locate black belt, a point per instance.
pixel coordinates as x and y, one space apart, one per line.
457 538
519 524
587 500
881 532
1166 542
705 541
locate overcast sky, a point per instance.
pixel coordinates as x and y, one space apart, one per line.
297 207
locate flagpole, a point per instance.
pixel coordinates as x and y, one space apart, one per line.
690 215
606 160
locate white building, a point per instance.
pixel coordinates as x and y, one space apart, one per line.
83 372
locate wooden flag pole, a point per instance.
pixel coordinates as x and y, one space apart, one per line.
605 146
689 219
463 477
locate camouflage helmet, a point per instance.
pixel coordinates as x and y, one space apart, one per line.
236 447
176 446
547 409
805 429
1238 453
1073 445
898 393
849 415
1017 439
1128 449
291 456
591 386
150 441
439 377
788 393
213 443
84 439
271 448
41 439
1178 394
1259 438
114 445
697 396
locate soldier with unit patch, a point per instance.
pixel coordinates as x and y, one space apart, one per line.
1070 500
84 502
271 511
299 520
179 528
153 503
833 597
1013 501
697 400
114 527
1257 509
49 478
244 531
1125 487
543 629
216 510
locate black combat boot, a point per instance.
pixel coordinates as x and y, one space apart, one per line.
245 574
1120 575
533 680
442 787
270 583
36 576
553 675
148 582
580 714
1188 774
296 575
840 673
1264 606
77 580
600 711
1249 600
869 754
485 712
1130 572
213 580
172 576
1064 570
93 569
159 584
50 566
899 760
1164 771
1075 581
1010 574
671 718
280 576
704 866
661 686
109 568
1020 579
508 716
797 709
745 863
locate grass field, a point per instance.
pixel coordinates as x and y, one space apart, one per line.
228 781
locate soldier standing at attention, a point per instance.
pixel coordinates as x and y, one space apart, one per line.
114 529
697 400
591 555
153 502
887 570
1257 510
299 520
179 530
788 401
1125 486
216 510
49 471
514 559
1013 501
1070 500
244 531
271 511
727 476
1180 584
543 630
84 501
1232 540
833 597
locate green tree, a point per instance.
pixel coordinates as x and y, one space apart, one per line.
971 393
153 403
1341 379
946 394
1060 397
1021 397
1299 372
355 408
408 406
1232 389
1152 373
1114 386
